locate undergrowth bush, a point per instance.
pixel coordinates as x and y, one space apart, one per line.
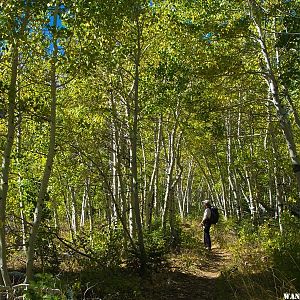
265 260
160 243
156 249
192 237
45 286
103 249
107 246
48 250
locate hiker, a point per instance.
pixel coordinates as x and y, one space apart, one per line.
206 224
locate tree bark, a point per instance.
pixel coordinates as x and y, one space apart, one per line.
49 161
133 148
275 96
230 168
74 211
21 202
171 160
150 198
6 160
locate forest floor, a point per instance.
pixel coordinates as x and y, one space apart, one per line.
197 274
192 276
190 273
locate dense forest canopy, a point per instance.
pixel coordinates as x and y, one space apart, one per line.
117 118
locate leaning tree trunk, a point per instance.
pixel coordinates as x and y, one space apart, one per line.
6 159
275 96
49 161
217 200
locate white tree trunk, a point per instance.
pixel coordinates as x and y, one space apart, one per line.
171 160
151 195
275 96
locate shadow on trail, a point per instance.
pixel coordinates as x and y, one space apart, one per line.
214 261
178 285
193 275
197 281
189 276
209 278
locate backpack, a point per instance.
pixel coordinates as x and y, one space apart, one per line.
214 217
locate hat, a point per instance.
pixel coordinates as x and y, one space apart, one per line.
206 202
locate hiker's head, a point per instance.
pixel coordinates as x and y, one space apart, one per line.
206 203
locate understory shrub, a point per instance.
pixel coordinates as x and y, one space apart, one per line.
45 286
264 259
159 242
156 249
103 249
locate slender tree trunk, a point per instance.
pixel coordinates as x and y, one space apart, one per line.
285 88
278 184
68 215
67 207
184 189
275 97
253 208
133 141
171 159
90 210
215 196
172 212
21 202
268 138
208 181
6 159
292 106
187 192
238 210
190 197
84 207
55 213
180 197
230 168
74 212
150 199
119 183
114 164
49 161
223 186
143 174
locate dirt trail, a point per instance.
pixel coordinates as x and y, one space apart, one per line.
191 277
